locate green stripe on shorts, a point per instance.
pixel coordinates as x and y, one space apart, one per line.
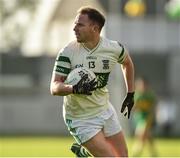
73 131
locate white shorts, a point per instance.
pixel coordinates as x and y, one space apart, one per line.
84 129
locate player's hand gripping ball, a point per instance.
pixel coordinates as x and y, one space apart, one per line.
83 81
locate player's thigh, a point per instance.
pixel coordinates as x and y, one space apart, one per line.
119 144
98 146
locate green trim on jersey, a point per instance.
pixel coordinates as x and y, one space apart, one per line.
62 69
63 58
63 64
94 49
85 48
122 53
102 79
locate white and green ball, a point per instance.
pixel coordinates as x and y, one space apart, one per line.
76 75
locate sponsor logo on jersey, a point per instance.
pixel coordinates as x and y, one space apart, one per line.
105 64
60 69
78 65
91 57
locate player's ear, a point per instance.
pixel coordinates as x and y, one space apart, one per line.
95 28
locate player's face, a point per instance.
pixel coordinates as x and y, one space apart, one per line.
83 28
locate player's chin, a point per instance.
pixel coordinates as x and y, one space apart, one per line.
79 40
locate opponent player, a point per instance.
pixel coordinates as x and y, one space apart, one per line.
91 119
143 117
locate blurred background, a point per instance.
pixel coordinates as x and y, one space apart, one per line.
33 31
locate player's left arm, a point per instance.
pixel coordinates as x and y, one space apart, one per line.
128 70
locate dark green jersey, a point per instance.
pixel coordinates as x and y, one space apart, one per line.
145 102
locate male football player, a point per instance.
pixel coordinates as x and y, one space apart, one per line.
91 119
143 117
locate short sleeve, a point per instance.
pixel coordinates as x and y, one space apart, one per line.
123 53
62 64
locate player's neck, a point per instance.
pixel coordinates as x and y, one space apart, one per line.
92 44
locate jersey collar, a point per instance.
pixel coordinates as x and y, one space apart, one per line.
92 50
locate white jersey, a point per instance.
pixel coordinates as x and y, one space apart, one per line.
101 61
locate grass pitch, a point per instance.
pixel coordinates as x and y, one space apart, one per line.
23 146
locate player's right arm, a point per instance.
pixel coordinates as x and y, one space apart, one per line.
61 70
57 86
